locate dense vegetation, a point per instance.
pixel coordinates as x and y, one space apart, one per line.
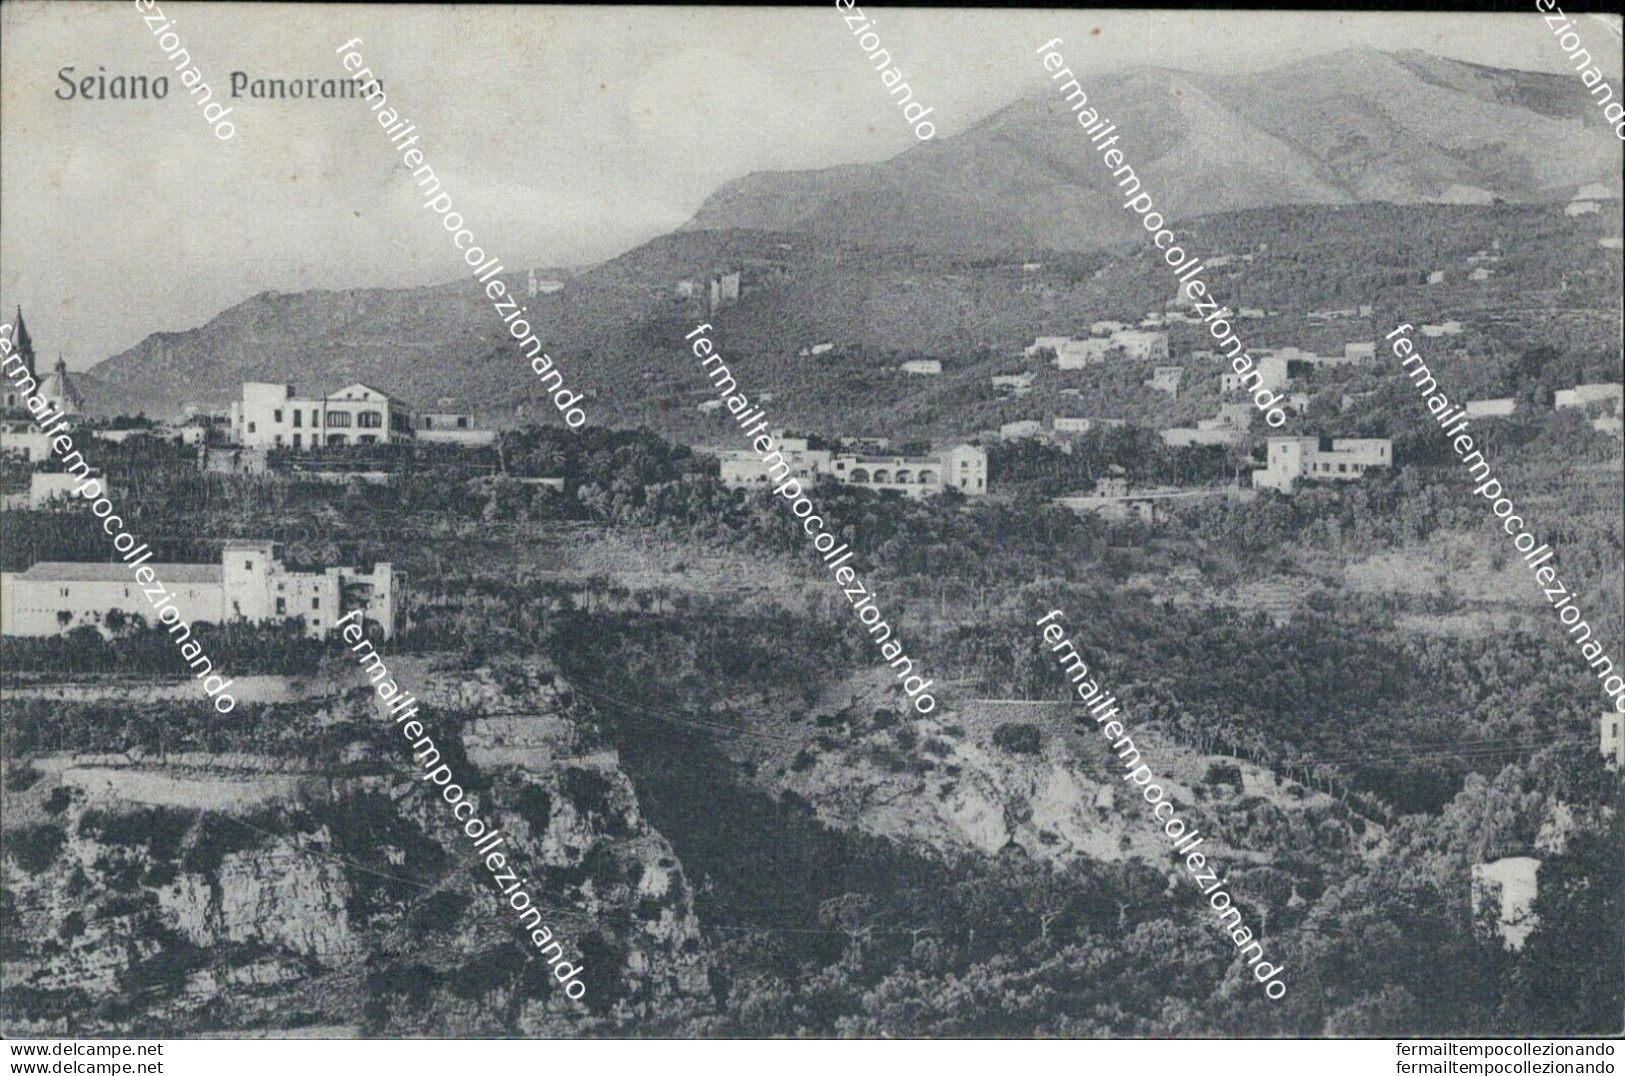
1459 744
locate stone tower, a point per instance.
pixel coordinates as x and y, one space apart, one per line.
20 384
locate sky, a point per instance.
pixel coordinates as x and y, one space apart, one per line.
564 135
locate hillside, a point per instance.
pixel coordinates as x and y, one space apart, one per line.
615 329
1354 126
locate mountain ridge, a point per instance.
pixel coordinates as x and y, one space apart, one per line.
1020 185
1345 127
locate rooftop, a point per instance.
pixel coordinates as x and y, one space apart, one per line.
60 571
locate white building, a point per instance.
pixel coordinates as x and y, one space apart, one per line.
1047 343
922 366
1166 379
1584 395
1578 208
450 428
26 439
1612 733
1013 384
1012 431
1191 437
1065 426
534 287
1448 328
816 350
47 486
1288 459
271 416
249 584
1496 408
1075 354
1137 344
1482 273
1510 885
1271 376
963 467
1436 277
741 467
190 433
722 290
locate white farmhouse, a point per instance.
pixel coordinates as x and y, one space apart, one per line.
1289 459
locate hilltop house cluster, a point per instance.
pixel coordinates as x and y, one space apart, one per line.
250 583
1106 340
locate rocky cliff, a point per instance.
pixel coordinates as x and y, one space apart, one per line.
195 893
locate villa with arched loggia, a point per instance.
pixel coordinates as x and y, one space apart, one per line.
963 467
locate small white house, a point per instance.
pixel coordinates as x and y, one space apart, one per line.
45 487
1447 328
1496 408
922 366
1582 395
1012 431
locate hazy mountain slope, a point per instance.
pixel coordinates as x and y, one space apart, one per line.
1357 125
1400 127
920 254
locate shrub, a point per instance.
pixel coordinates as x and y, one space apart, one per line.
21 777
160 829
438 912
34 848
535 806
1018 738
